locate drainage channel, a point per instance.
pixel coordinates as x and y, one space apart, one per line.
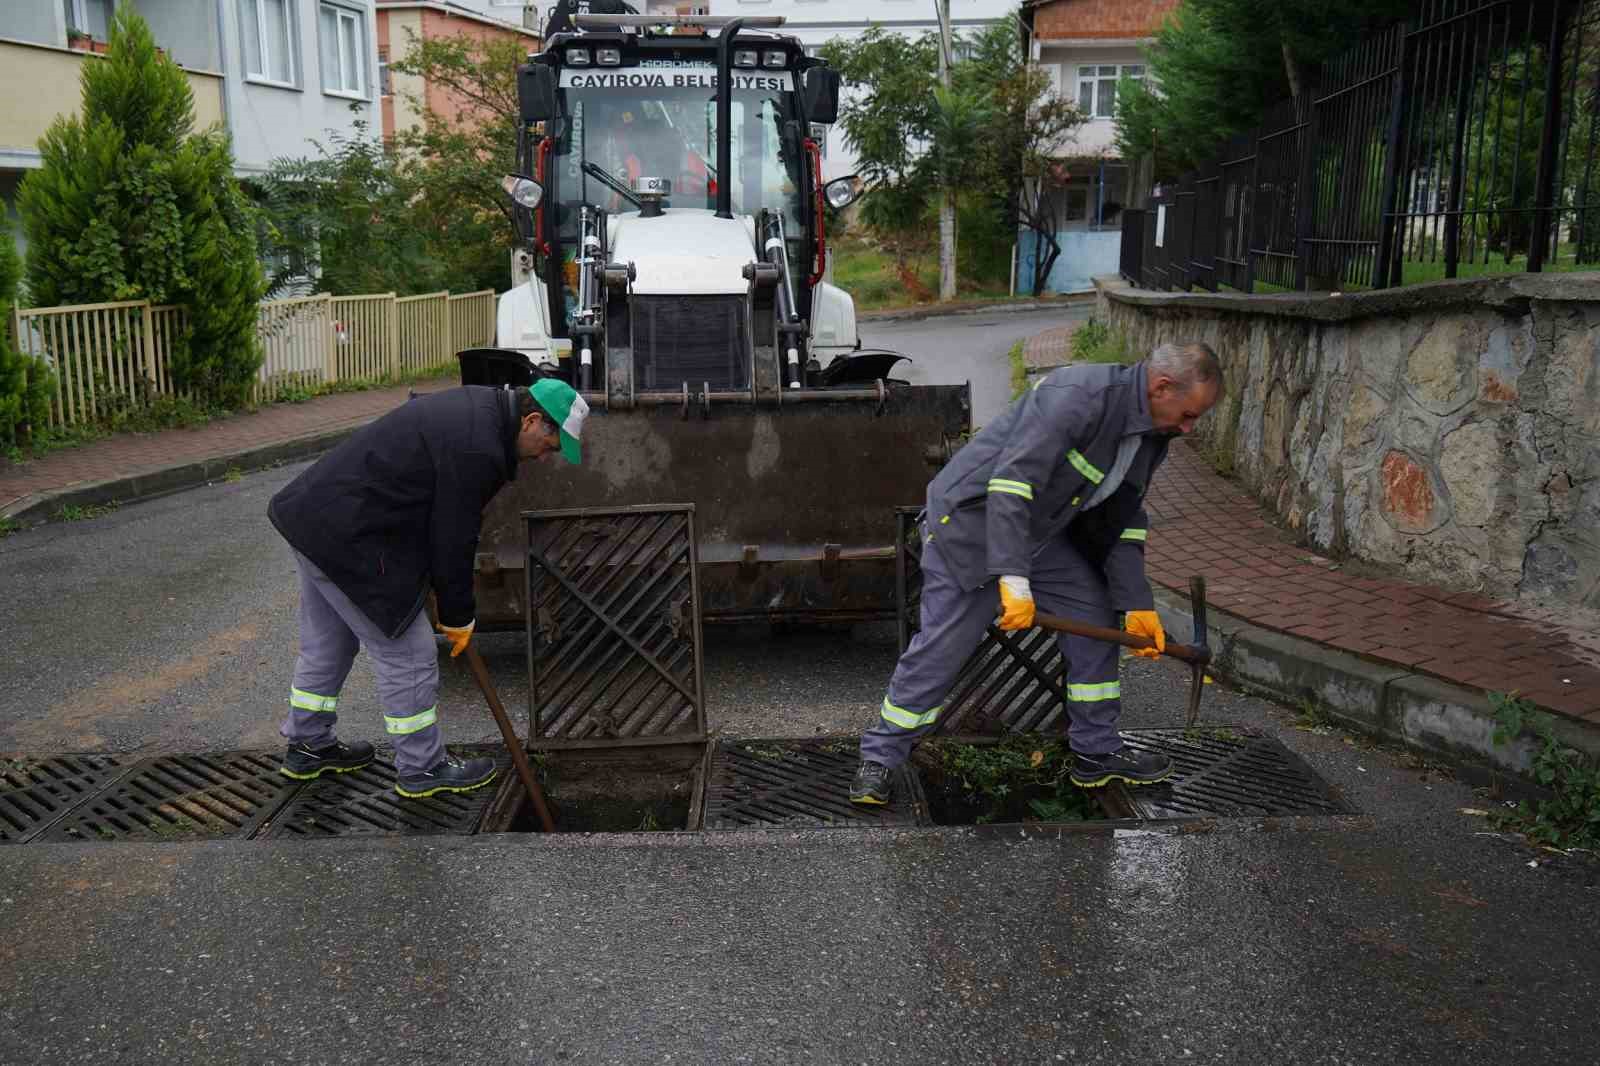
722 785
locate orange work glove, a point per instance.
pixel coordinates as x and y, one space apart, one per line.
1146 624
459 636
1016 603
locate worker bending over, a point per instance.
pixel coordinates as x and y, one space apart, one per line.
394 510
1047 502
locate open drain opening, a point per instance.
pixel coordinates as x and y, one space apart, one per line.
630 790
1018 778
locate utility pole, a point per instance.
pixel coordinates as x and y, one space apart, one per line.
947 199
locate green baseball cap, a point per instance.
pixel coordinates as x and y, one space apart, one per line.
567 408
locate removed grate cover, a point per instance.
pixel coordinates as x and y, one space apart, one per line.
182 797
364 803
1220 772
34 792
799 782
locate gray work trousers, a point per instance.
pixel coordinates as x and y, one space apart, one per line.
332 630
954 620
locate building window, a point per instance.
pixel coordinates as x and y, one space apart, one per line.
267 27
89 16
1097 87
343 42
385 87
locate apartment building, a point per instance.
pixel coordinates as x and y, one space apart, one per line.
1087 47
404 24
277 74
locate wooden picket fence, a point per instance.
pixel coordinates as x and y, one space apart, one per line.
121 353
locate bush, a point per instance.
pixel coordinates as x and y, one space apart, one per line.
1096 342
131 204
24 379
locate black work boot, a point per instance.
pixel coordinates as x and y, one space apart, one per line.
449 774
303 763
1124 764
871 785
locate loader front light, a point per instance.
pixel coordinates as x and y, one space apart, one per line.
774 60
523 189
608 57
842 192
578 57
744 59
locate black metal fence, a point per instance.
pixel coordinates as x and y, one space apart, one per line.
1461 142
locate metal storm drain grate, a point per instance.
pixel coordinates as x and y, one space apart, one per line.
798 782
34 792
614 626
1012 683
364 803
182 797
1218 772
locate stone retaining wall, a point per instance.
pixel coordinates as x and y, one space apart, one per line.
1452 429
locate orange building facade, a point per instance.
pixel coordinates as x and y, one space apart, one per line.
406 97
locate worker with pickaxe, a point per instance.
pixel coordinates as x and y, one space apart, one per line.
1047 502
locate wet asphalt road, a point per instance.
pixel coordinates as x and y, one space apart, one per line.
1409 934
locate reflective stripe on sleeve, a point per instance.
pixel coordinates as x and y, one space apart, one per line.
1084 467
308 701
1135 534
1109 690
1016 488
402 726
905 719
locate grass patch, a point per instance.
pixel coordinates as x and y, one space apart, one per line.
232 475
74 513
8 526
1019 371
877 282
1570 818
1096 342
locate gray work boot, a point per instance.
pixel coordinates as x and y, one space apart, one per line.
872 785
1124 764
449 774
304 763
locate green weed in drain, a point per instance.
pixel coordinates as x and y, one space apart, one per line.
1570 818
649 824
991 773
771 754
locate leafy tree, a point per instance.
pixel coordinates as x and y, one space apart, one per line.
997 124
25 380
461 157
1216 65
130 203
347 218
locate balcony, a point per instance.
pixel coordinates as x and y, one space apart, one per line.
40 81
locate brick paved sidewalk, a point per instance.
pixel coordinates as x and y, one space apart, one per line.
1050 348
1203 524
138 454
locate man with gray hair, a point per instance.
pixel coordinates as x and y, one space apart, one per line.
1048 502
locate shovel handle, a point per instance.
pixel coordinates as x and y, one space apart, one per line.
1188 653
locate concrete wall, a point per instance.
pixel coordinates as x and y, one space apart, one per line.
1084 255
1450 429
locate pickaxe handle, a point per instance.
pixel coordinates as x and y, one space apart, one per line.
1196 656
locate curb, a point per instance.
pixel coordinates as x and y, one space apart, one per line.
133 488
922 311
1417 711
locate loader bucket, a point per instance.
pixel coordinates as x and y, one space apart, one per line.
795 504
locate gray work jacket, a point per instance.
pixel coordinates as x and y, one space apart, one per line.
1028 474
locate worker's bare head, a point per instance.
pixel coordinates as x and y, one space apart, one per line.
539 437
1184 381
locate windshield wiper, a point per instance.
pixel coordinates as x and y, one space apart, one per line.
600 174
